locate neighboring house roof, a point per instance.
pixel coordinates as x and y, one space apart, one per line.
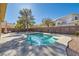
67 18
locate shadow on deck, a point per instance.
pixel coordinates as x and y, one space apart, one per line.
24 49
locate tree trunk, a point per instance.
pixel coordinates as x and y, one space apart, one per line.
27 25
48 27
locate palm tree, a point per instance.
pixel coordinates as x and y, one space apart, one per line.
26 16
48 22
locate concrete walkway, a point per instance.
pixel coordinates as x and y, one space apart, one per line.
13 44
8 37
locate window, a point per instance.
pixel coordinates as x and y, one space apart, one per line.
76 18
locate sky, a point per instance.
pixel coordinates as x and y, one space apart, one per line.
41 10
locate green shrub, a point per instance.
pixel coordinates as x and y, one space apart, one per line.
77 33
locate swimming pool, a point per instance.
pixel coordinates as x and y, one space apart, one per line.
40 39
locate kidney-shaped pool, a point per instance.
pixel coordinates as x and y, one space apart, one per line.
40 39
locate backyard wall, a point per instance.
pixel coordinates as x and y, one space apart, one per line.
54 29
57 29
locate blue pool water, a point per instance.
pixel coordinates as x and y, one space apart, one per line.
40 39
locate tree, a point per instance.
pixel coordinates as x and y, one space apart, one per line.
48 22
25 20
20 25
76 22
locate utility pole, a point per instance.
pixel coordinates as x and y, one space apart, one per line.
0 30
5 31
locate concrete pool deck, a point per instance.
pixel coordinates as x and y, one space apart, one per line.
13 44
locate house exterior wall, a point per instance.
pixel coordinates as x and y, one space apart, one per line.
3 7
67 20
